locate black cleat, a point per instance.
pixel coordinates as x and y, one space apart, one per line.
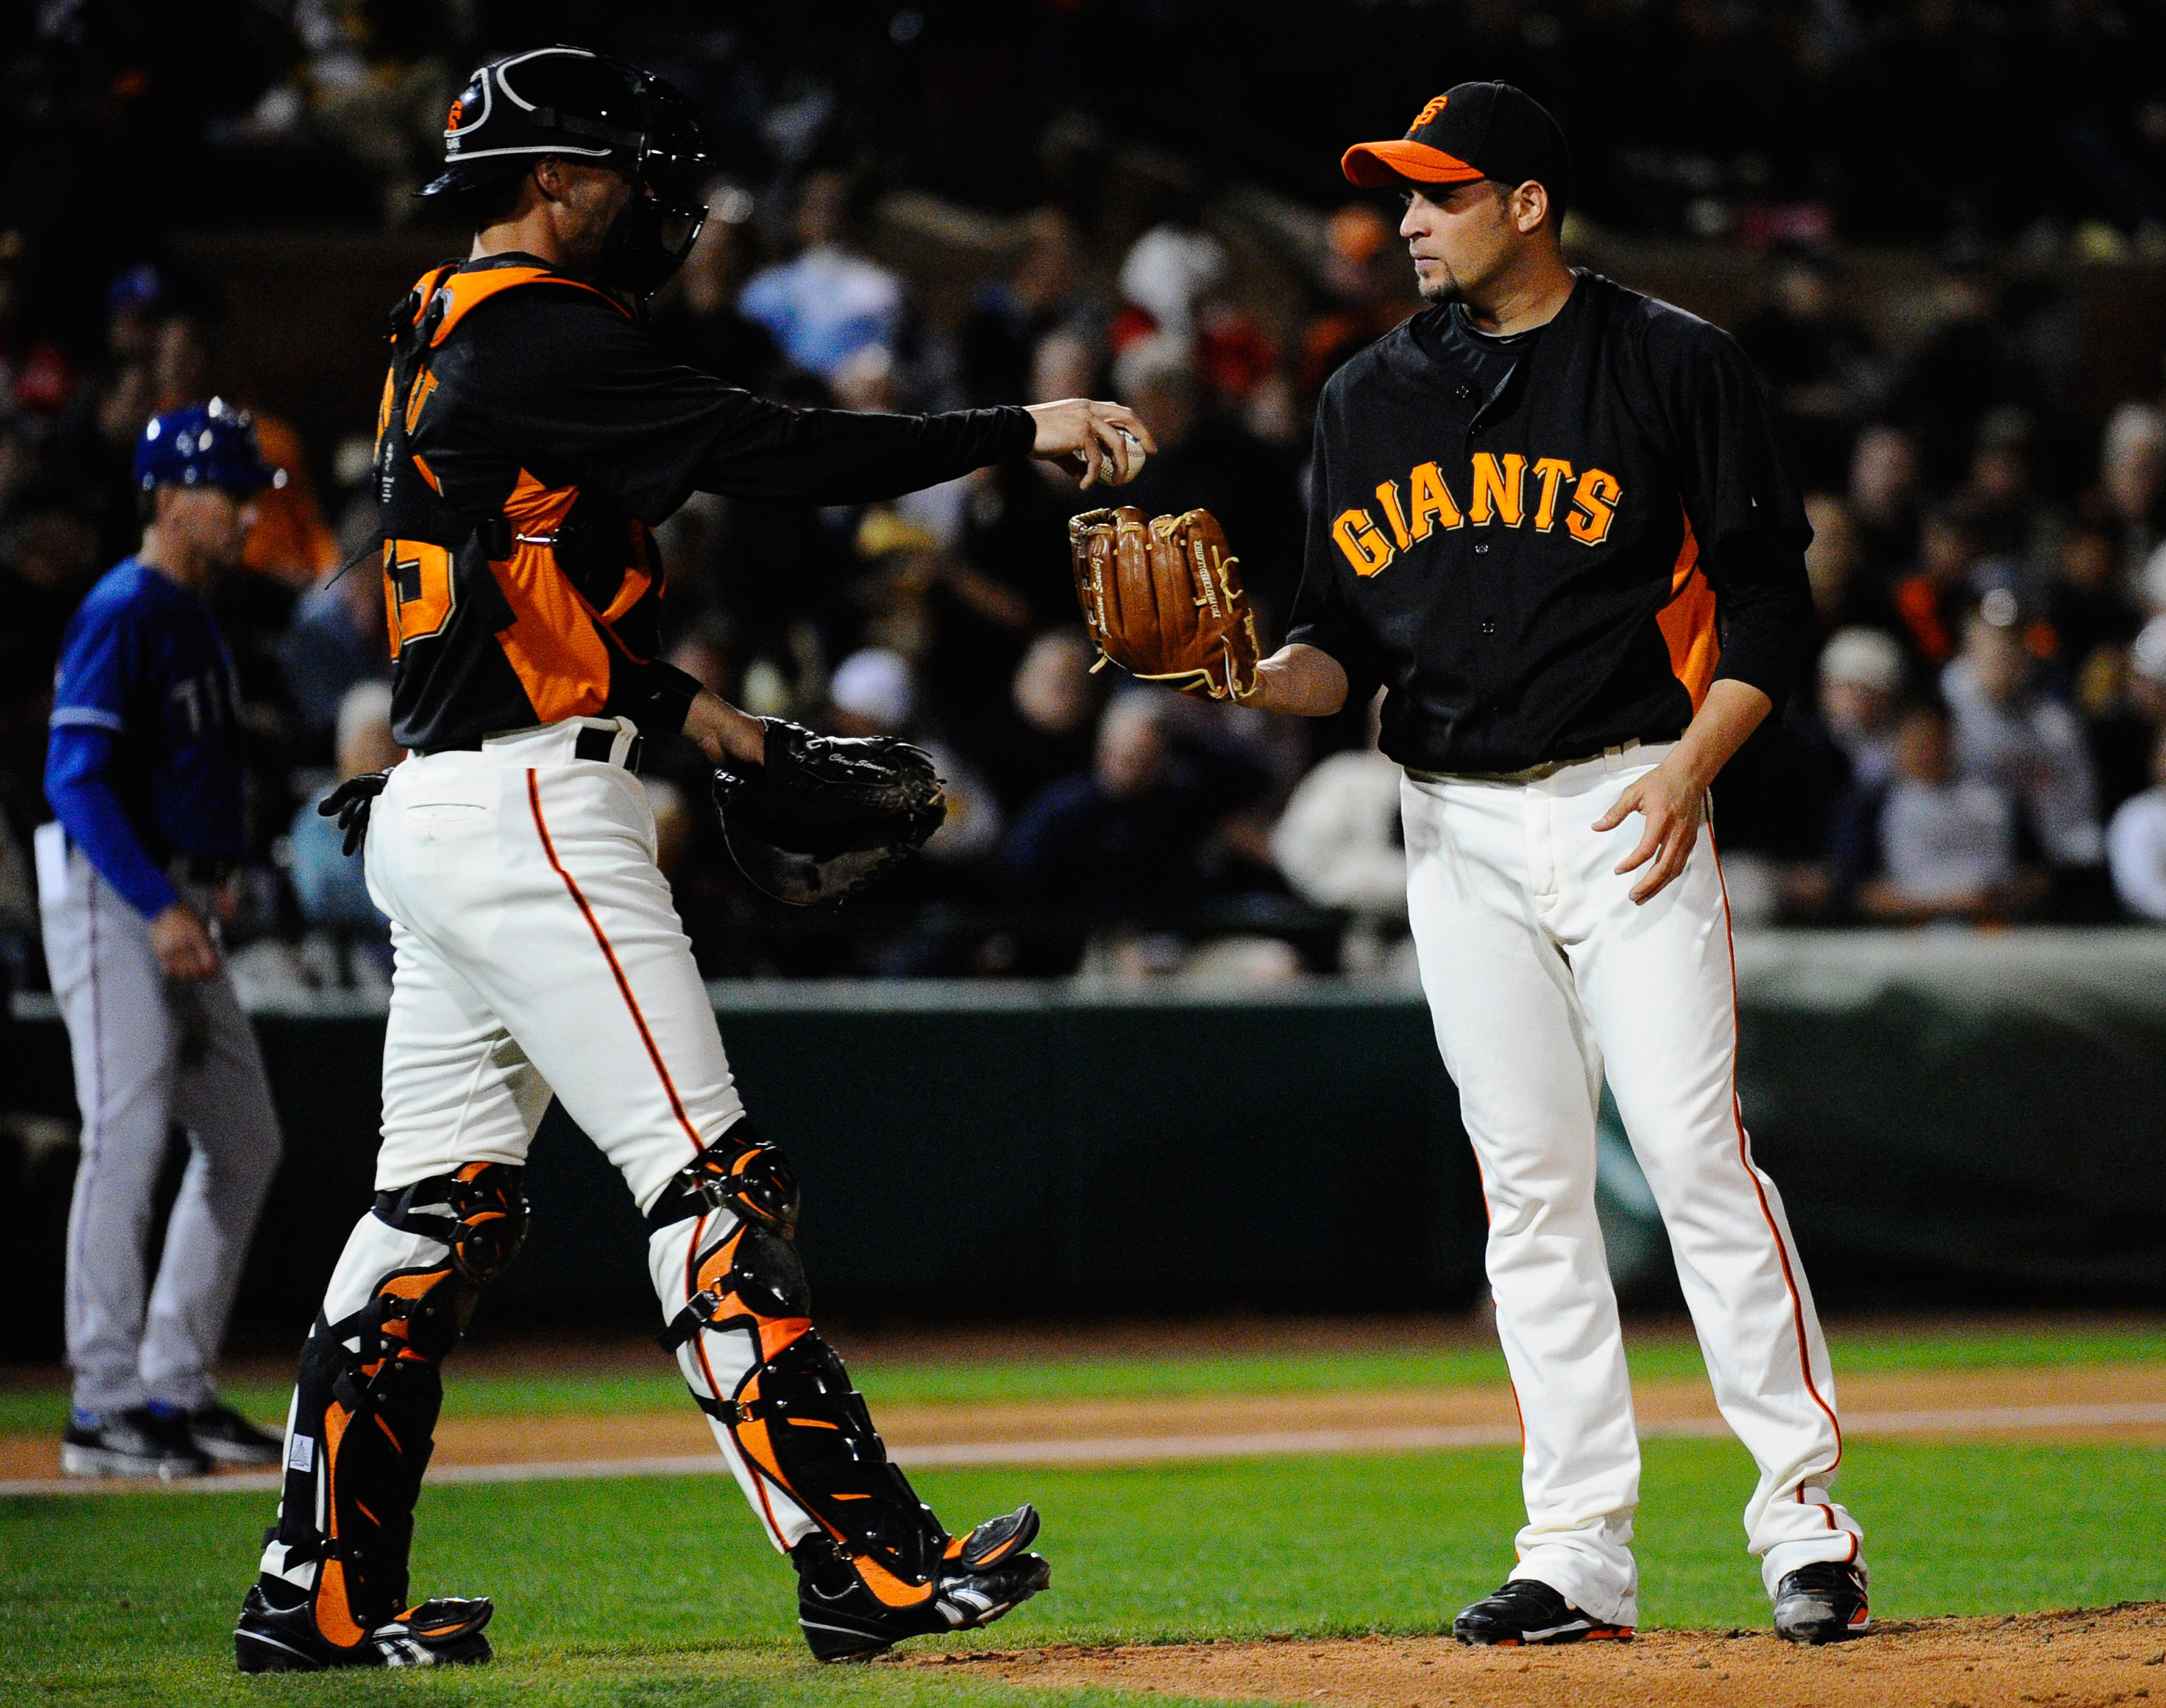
1822 1603
221 1434
1524 1611
851 1609
137 1442
441 1633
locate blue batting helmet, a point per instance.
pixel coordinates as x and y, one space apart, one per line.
205 444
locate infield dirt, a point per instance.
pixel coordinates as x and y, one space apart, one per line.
1183 1423
1188 1425
2081 1660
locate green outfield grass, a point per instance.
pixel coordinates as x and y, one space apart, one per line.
487 1393
659 1592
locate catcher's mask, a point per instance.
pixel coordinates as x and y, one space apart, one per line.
580 105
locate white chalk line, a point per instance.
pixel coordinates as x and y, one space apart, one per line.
1152 1449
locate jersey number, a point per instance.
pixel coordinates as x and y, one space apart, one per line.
417 590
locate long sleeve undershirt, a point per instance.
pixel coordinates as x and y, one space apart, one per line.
575 390
1764 605
76 759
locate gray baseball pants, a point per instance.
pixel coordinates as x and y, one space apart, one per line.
149 1053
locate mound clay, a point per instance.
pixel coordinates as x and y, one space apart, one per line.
2083 1660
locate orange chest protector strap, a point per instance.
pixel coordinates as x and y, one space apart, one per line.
410 503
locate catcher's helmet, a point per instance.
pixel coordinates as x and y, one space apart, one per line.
204 444
569 102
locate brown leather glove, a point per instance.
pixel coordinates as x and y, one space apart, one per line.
1162 598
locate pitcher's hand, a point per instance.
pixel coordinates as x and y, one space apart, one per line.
1675 807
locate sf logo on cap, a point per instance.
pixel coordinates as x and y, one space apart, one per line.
1436 105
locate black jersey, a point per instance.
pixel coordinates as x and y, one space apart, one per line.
1547 545
531 435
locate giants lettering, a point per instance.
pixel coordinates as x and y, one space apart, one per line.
1593 506
1497 494
1432 501
1501 492
1365 549
1552 471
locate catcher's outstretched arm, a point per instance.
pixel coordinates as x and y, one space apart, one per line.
1304 682
723 732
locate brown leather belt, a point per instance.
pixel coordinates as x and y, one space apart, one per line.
1533 773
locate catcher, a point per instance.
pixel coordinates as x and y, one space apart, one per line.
530 435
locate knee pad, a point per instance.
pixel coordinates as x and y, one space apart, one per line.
793 1414
366 1400
480 1211
740 1173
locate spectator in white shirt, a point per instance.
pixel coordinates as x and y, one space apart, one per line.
1947 841
2146 671
2135 845
1861 679
2008 734
1339 841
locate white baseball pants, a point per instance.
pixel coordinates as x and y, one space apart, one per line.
1541 976
148 1053
537 950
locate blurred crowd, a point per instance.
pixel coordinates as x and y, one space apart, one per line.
1980 740
1983 738
2040 123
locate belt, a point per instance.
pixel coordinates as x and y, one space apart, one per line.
598 744
594 744
184 869
1533 773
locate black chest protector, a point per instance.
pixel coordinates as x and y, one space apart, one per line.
511 596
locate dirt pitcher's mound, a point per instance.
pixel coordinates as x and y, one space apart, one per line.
2081 1660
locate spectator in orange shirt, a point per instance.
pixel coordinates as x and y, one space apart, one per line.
1930 601
1364 290
291 542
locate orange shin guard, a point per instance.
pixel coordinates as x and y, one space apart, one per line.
367 1397
757 1366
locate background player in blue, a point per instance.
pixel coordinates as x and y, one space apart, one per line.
143 772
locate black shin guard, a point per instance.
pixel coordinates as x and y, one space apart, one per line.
794 1415
807 1429
365 1401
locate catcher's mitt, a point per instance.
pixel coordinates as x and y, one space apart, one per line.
826 814
1162 598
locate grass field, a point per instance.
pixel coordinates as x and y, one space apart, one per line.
653 1592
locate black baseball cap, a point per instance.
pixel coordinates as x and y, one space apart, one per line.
1471 132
